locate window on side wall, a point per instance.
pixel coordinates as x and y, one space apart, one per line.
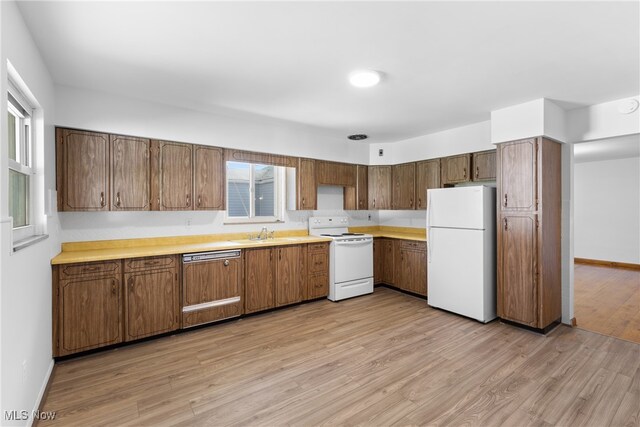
255 193
20 137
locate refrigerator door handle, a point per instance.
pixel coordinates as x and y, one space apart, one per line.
428 227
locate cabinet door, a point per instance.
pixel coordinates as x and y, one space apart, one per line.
387 265
379 187
307 187
151 301
517 162
378 260
413 265
90 313
130 173
484 166
427 176
362 187
260 279
404 181
83 170
517 257
176 176
290 275
209 178
456 169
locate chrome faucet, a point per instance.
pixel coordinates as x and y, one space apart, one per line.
264 234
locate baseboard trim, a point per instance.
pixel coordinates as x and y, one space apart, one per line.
44 390
601 263
574 322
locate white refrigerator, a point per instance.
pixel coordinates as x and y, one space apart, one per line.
461 250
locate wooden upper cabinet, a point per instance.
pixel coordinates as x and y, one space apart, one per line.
379 187
484 166
517 259
130 173
260 279
232 155
517 167
209 178
82 162
456 169
404 186
427 176
306 187
362 192
334 173
175 176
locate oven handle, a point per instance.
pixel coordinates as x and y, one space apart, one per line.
354 243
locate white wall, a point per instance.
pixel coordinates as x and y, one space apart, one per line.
607 210
463 139
601 121
25 276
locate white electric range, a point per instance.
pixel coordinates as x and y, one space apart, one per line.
350 257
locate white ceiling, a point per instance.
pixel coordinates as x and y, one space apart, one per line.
446 64
621 147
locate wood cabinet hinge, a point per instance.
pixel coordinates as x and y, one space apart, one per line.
537 223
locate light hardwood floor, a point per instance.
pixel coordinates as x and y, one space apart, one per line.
607 301
381 359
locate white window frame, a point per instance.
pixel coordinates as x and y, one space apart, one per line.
24 154
278 201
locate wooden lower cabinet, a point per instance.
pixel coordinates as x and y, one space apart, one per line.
518 269
275 277
410 266
260 279
87 311
401 264
151 296
317 270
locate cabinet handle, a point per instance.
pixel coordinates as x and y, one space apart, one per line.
226 262
199 201
130 283
113 287
464 172
118 199
411 202
374 202
188 200
506 225
304 202
477 171
271 255
155 262
280 255
90 269
102 199
505 200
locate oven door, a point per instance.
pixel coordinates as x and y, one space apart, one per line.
353 259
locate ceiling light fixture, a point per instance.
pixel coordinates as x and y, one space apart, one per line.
357 137
364 78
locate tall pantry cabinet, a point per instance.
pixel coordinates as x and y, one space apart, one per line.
529 254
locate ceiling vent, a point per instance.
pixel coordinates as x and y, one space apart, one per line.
358 137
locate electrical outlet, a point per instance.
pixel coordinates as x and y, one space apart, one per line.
369 217
381 152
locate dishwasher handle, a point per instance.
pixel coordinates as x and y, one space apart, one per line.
210 256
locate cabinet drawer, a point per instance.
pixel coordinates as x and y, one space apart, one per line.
317 247
90 268
318 262
147 263
413 246
318 286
